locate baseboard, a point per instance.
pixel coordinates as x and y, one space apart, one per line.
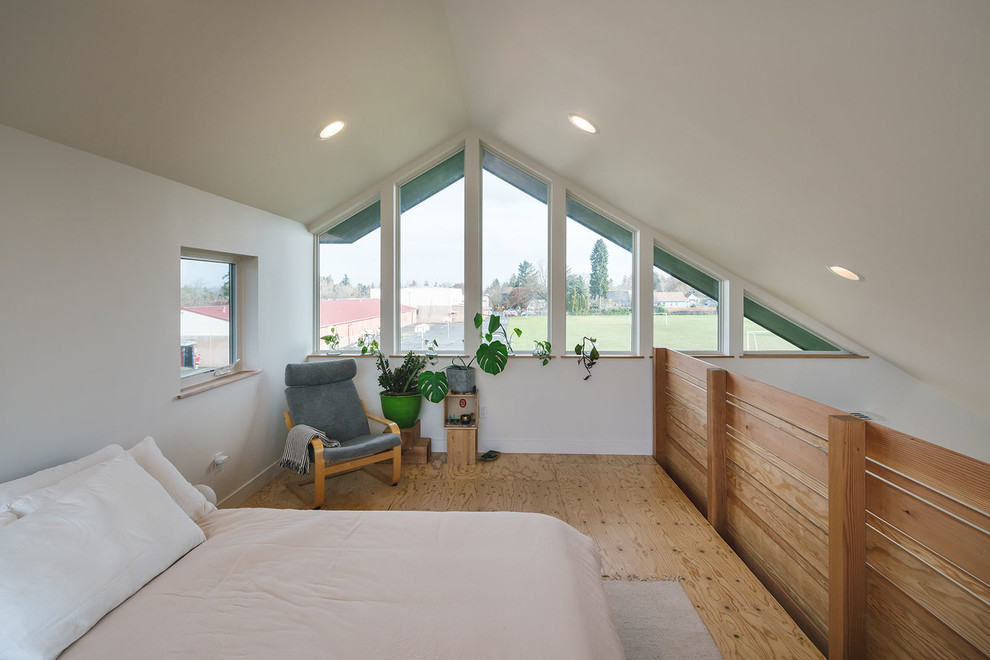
256 483
559 446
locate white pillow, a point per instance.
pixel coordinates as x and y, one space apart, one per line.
44 478
6 516
30 502
149 456
72 561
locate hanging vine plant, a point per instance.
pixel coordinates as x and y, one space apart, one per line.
587 353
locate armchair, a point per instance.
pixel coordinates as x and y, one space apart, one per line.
323 395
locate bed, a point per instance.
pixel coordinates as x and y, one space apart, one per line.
263 583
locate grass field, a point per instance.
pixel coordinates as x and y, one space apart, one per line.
682 332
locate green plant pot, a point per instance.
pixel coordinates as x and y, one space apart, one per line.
403 409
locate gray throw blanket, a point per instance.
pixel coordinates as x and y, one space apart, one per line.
296 455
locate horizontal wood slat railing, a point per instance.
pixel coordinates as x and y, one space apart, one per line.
876 543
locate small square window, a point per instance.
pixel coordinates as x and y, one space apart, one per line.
209 315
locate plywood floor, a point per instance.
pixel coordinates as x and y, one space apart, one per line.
643 524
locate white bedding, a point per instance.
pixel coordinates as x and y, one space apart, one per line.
327 584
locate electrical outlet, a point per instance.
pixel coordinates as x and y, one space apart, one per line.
483 412
218 460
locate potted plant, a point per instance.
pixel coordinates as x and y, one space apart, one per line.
400 395
541 351
332 340
492 356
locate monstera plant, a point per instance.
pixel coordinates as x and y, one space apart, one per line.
492 357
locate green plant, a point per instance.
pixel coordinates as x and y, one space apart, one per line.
588 355
541 350
402 379
492 357
332 340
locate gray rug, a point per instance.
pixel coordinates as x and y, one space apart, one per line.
657 620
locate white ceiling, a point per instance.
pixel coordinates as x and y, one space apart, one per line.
773 137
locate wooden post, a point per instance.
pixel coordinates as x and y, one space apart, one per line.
660 406
716 450
846 537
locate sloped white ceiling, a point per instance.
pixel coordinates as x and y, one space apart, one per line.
228 95
773 137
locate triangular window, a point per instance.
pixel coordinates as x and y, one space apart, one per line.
685 305
766 330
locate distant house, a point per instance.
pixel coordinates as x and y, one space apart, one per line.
676 302
670 299
621 297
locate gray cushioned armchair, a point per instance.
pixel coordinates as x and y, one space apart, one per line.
323 395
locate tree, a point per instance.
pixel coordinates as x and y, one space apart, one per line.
598 286
577 294
539 284
519 297
524 276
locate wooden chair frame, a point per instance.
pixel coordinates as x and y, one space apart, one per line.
323 469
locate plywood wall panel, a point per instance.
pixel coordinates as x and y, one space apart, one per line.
807 414
688 393
968 547
689 476
897 627
811 501
690 442
961 477
809 458
803 596
805 543
946 600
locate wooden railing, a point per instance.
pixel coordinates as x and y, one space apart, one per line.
875 542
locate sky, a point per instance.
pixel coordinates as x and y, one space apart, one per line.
514 228
201 273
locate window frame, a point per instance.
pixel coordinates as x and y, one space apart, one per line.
571 195
799 333
197 380
527 172
424 175
356 211
687 267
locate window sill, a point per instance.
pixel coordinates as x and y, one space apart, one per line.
199 388
806 356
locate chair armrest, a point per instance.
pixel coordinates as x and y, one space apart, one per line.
317 450
392 426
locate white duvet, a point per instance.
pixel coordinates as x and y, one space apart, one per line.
327 584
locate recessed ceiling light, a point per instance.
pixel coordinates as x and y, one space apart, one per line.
331 129
846 273
582 123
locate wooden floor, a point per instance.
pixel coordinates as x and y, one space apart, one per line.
643 525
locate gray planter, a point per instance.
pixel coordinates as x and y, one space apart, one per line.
461 381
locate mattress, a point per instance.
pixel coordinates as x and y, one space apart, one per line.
331 584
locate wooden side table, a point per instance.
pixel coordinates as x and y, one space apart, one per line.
460 418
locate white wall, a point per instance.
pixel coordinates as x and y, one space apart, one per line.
537 409
876 386
89 260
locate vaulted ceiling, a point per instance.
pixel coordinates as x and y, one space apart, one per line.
771 136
